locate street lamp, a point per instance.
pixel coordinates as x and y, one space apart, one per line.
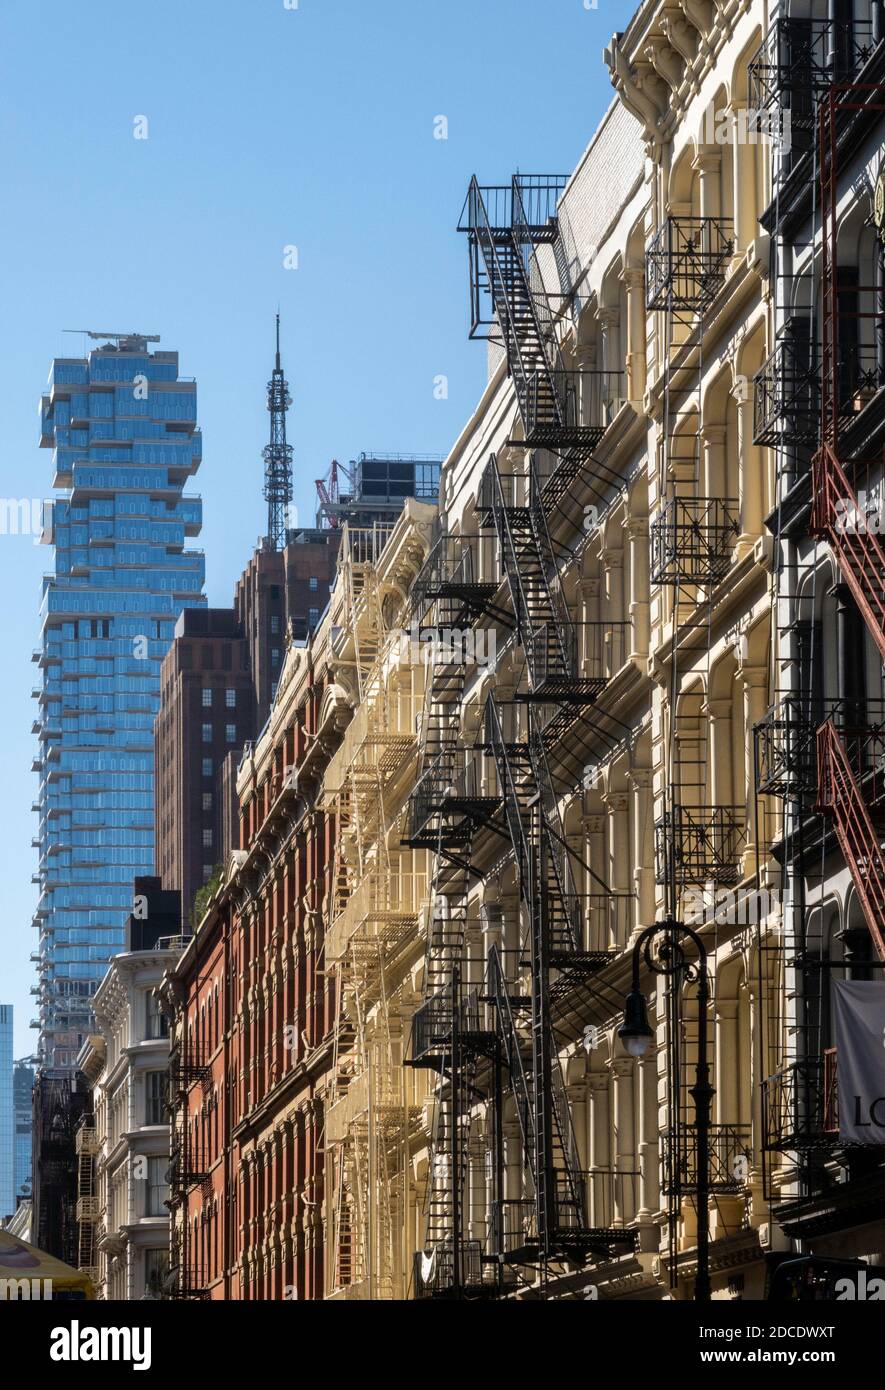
636 1034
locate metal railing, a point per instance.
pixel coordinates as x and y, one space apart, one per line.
434 1271
454 1014
692 540
800 58
786 762
685 262
800 1105
697 844
786 395
730 1155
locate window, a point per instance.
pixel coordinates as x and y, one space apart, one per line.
156 1268
207 767
207 839
207 801
155 1101
275 656
208 870
313 617
230 699
157 1187
157 1024
207 698
274 623
207 733
230 733
313 584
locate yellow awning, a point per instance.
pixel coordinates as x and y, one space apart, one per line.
20 1261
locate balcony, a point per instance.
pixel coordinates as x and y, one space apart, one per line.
800 58
88 1210
450 573
685 263
786 742
695 845
187 1065
800 1106
786 396
382 911
692 540
448 803
434 1271
571 408
730 1154
449 1016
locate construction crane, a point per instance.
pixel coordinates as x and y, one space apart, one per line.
118 337
329 494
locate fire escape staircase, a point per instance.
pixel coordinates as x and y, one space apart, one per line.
512 505
850 760
836 517
850 792
556 961
504 227
446 808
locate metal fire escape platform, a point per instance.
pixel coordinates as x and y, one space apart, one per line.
562 410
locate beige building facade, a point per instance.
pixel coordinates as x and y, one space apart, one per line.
589 653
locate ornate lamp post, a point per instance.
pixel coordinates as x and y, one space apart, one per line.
661 946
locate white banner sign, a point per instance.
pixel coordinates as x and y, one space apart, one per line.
859 1016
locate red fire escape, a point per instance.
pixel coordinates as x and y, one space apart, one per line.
850 786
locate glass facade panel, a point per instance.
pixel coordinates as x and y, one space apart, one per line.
121 425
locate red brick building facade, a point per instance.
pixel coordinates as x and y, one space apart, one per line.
253 1017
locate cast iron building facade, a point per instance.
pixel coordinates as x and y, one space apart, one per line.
121 423
820 408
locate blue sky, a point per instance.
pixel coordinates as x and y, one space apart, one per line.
268 127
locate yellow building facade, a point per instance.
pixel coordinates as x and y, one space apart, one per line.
556 682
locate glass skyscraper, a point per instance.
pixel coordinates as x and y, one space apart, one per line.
121 423
22 1085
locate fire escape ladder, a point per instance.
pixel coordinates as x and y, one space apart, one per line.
512 504
552 912
860 838
533 355
837 517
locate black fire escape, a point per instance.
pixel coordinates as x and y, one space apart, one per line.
563 410
821 755
188 1168
448 806
692 538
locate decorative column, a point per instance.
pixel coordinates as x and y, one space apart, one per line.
619 846
598 1122
634 283
640 783
743 160
714 474
608 324
613 562
588 382
638 636
622 1069
751 479
755 683
589 617
598 937
708 165
720 779
649 1195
